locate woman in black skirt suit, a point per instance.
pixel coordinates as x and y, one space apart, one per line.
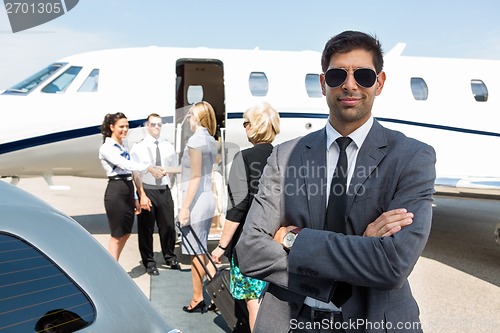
119 195
261 123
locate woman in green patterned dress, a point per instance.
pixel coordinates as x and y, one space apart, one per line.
261 124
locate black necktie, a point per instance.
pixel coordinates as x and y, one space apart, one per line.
158 160
335 212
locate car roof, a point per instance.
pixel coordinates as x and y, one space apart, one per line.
119 303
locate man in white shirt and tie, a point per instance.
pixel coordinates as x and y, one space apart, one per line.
155 197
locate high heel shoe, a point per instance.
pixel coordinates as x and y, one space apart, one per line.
200 306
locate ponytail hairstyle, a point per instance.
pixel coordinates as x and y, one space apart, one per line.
110 119
205 115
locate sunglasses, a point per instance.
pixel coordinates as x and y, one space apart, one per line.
155 124
245 124
365 77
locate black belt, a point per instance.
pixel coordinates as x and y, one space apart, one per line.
319 315
155 187
127 177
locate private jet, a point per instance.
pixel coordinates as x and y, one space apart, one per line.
50 125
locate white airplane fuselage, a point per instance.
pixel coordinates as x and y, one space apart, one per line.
46 133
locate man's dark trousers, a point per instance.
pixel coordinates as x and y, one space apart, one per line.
162 211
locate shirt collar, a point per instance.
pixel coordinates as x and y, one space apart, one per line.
358 136
111 141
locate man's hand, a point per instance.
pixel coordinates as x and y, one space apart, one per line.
386 224
280 234
145 202
389 223
137 207
157 171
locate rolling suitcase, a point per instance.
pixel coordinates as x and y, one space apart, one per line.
233 311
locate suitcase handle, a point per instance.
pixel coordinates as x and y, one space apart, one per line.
177 223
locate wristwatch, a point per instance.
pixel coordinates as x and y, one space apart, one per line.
289 238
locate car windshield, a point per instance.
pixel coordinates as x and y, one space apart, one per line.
34 80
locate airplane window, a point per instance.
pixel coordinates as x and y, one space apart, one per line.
419 89
479 90
194 94
91 82
258 84
34 80
313 86
61 83
35 295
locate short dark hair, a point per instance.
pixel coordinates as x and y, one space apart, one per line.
348 41
154 115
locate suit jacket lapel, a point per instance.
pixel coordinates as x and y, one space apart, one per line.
314 172
371 153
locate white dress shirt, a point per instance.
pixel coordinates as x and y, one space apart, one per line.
113 157
145 152
332 155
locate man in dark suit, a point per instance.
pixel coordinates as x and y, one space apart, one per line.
289 241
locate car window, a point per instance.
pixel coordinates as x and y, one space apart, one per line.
35 294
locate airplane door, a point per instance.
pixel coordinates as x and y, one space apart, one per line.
198 80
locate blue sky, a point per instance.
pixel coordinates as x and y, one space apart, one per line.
446 28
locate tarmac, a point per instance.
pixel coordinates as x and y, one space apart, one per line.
169 291
451 298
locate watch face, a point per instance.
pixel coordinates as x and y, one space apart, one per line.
289 239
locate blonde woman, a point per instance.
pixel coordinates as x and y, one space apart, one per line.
198 203
262 124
